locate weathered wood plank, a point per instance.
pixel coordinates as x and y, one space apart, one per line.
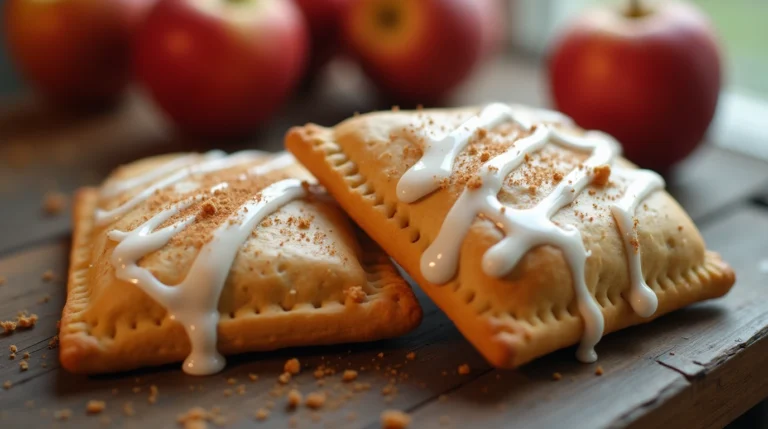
698 367
634 388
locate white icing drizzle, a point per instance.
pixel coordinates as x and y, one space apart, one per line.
440 151
119 186
194 301
642 299
104 217
528 228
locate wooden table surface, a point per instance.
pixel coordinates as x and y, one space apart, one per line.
699 367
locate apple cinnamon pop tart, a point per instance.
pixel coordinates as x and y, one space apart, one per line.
530 233
189 257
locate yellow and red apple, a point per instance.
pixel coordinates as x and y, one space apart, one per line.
74 52
221 67
648 75
416 50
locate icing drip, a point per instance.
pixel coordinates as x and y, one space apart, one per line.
642 299
104 217
194 301
119 186
528 228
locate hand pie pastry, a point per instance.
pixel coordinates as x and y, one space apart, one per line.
193 256
530 233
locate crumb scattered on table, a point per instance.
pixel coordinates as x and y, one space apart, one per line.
284 378
54 203
95 406
13 348
315 400
48 276
7 384
63 414
8 326
292 366
253 377
262 414
349 375
464 369
294 398
23 365
395 419
599 370
411 356
557 376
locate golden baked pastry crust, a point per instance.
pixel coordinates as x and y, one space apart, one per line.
288 286
532 310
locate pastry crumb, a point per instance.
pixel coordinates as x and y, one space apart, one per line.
349 375
13 348
464 369
253 377
128 409
284 378
12 356
54 203
63 414
24 321
557 376
599 370
395 419
23 365
153 392
54 342
294 398
262 414
95 407
231 381
7 384
315 400
48 276
26 356
411 356
355 294
8 326
292 366
601 175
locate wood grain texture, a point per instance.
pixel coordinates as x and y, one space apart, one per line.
717 370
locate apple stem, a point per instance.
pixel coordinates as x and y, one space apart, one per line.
636 9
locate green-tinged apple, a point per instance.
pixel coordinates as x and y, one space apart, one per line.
416 51
221 68
324 18
73 52
648 74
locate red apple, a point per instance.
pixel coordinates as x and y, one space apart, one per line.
75 52
324 18
416 50
649 76
221 67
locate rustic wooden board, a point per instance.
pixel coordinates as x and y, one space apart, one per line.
717 347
